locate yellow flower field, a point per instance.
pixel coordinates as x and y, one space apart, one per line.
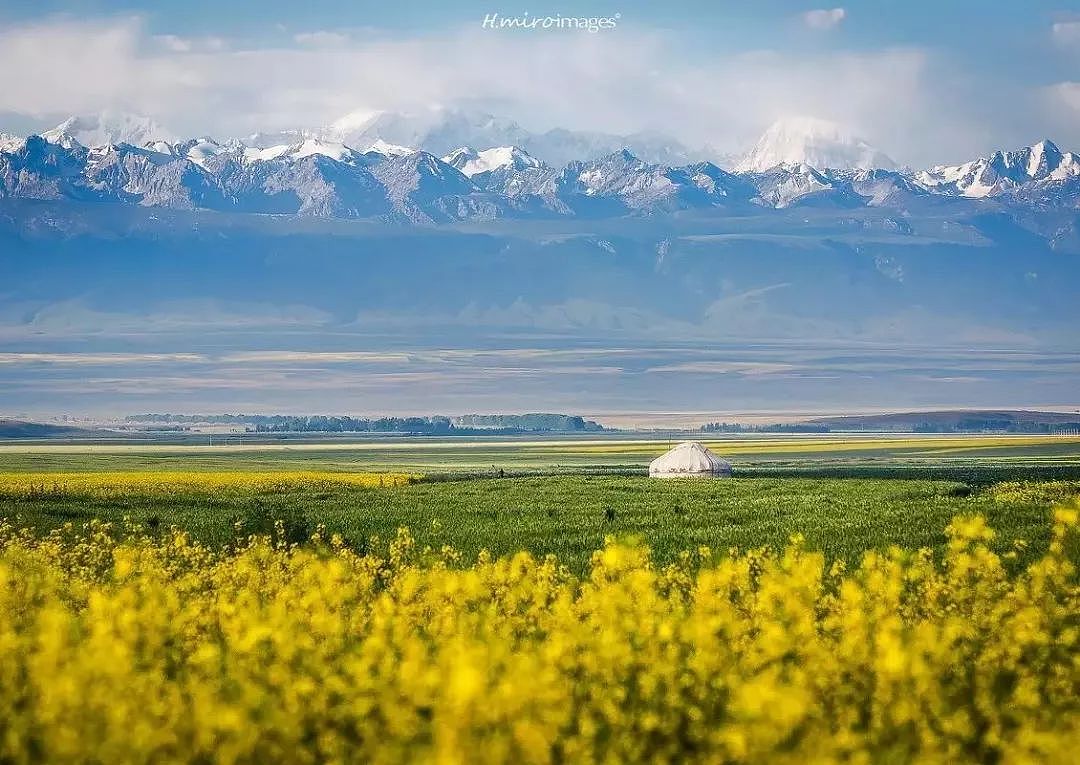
1050 492
109 484
119 648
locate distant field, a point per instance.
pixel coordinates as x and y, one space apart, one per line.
814 453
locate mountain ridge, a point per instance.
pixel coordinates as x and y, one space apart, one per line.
317 177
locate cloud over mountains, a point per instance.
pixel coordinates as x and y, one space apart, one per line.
722 99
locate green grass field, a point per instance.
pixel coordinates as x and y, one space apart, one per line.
846 494
570 515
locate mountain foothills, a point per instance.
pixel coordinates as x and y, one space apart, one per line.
797 163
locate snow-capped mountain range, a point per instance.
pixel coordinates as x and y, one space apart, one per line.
330 242
365 175
444 130
1041 172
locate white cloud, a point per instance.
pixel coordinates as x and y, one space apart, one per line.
1065 94
98 358
174 43
1066 33
824 19
321 39
746 368
177 44
64 65
634 79
1060 103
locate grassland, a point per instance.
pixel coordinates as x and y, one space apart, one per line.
311 627
846 494
570 516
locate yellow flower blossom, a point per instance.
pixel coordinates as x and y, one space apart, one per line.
118 646
156 482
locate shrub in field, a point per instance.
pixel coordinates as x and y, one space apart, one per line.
280 525
115 647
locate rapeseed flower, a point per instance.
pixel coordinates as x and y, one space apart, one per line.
120 647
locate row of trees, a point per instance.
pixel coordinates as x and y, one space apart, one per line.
734 427
481 424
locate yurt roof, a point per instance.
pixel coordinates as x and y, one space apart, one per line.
689 458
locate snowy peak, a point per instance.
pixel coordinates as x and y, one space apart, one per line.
436 130
884 187
389 149
60 136
311 147
642 186
471 162
811 141
204 152
718 183
39 169
105 128
270 140
461 157
420 173
1044 157
10 142
1003 171
610 174
353 123
424 189
307 147
791 183
161 147
786 182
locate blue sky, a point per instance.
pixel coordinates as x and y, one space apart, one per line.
926 80
922 21
989 31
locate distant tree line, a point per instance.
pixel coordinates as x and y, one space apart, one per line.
324 424
973 425
998 426
473 424
562 423
734 427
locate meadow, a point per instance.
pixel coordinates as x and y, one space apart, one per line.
846 493
565 515
837 600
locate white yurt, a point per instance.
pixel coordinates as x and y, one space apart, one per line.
688 460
